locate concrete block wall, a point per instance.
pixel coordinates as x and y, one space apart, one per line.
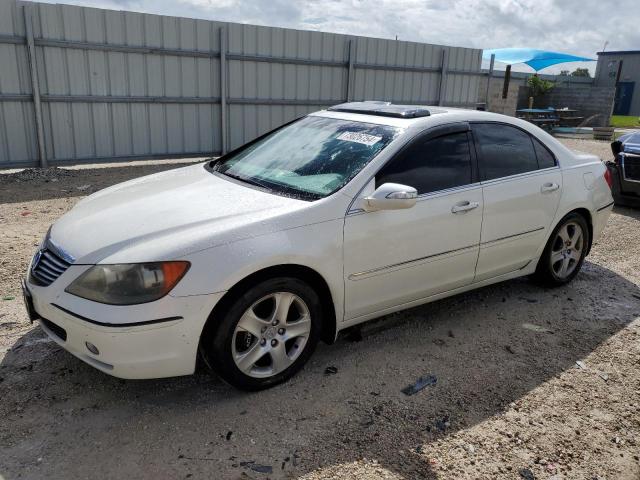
595 104
519 79
497 104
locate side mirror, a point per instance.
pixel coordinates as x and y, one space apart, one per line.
391 196
616 147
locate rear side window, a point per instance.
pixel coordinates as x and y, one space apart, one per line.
545 157
431 165
503 150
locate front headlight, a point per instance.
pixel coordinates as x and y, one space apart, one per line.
128 284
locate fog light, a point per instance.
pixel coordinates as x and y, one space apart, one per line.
92 348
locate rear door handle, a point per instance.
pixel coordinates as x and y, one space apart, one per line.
464 207
549 187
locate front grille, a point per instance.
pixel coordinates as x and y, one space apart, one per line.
47 267
631 165
59 332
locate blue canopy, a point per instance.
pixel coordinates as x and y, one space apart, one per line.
536 59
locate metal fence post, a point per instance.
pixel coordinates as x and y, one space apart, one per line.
443 77
223 88
35 85
491 65
350 85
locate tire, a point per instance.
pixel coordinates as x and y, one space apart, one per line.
252 348
564 253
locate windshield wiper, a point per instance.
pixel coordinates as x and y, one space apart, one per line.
250 181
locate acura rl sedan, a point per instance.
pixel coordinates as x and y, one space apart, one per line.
249 260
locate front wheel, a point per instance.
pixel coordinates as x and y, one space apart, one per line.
565 251
266 335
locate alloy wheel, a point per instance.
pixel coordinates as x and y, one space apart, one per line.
271 334
566 250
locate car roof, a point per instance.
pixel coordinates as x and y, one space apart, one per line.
396 115
438 115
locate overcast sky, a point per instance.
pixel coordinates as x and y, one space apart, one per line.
579 27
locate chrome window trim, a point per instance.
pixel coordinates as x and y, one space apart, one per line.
447 191
531 173
428 196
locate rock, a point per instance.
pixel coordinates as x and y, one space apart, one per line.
526 474
470 449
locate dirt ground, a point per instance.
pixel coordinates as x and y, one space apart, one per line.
509 401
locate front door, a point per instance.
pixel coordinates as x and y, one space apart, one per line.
624 94
521 188
398 256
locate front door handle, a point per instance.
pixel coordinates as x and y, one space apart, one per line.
464 207
549 187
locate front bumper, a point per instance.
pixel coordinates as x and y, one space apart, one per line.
155 340
625 192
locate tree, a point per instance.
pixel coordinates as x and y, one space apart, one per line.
581 72
564 73
538 86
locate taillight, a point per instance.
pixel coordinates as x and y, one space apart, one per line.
608 178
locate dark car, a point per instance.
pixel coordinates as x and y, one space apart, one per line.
625 170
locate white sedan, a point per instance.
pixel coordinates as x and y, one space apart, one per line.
331 220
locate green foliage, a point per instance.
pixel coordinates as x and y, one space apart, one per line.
581 72
538 86
623 121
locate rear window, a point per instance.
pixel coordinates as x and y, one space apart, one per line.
545 157
504 150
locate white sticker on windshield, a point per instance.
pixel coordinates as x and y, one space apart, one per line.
358 137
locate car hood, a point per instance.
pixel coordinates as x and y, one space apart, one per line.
169 214
631 142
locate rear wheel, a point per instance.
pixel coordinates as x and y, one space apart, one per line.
266 335
565 251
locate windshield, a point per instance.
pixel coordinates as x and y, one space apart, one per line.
310 158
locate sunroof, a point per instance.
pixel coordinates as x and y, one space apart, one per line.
384 109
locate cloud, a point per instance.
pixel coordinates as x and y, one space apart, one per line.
577 27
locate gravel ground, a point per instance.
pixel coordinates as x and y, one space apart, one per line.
509 401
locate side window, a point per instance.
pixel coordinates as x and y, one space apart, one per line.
431 165
545 157
503 150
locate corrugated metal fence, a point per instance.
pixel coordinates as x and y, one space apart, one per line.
82 84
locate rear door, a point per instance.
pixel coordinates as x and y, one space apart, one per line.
521 186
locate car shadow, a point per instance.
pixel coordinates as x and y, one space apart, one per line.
486 348
627 211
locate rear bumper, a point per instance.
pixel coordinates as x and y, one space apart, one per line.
150 348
